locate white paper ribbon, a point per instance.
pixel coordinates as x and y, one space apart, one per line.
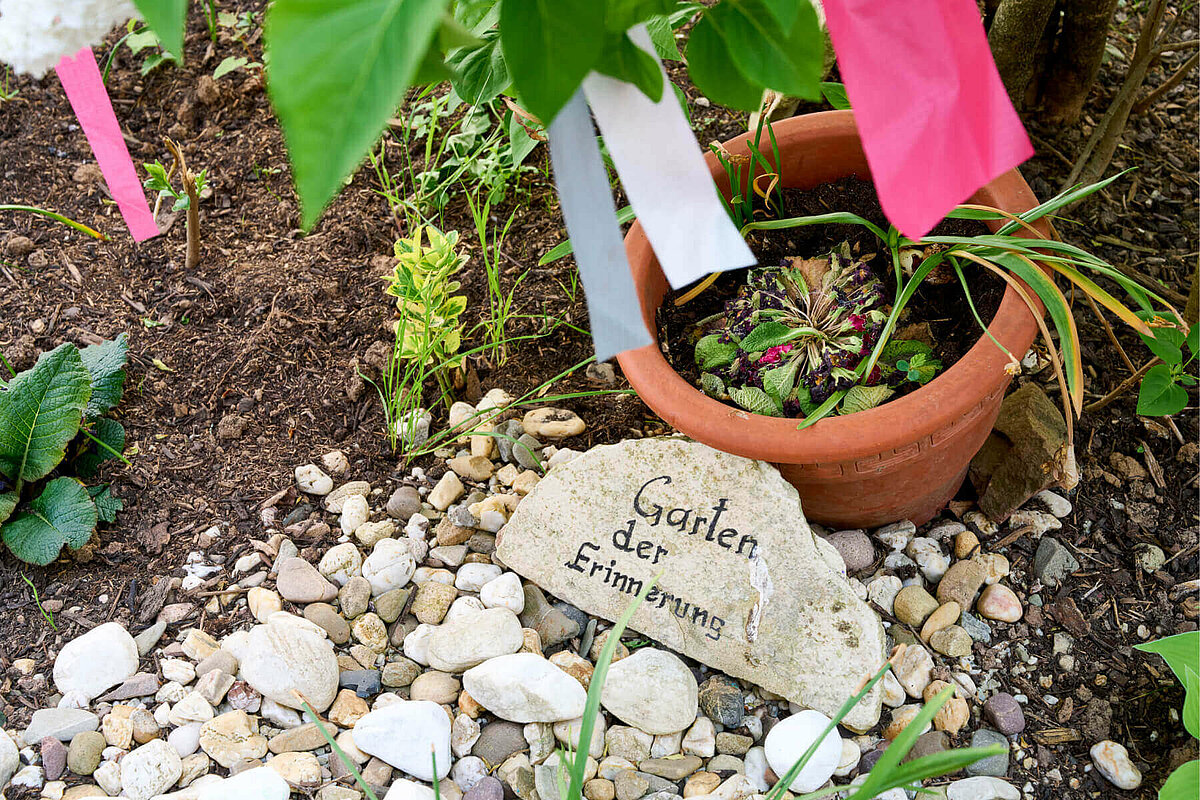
591 218
665 177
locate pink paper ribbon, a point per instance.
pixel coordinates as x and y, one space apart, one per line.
81 80
935 121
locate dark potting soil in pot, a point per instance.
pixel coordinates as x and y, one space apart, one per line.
940 306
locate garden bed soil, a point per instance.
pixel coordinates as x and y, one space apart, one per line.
935 310
267 327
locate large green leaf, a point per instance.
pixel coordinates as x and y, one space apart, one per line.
480 72
337 70
1184 783
550 46
166 18
62 514
40 413
711 68
109 441
8 501
624 14
105 362
786 59
1182 654
1159 395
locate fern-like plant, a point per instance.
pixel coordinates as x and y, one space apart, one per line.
52 433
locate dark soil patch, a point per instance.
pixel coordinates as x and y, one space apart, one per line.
938 303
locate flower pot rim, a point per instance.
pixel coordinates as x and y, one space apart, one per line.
896 424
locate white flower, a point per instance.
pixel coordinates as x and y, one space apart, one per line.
36 34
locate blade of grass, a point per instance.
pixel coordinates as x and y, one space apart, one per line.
592 708
341 754
79 226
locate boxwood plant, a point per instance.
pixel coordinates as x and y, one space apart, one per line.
53 432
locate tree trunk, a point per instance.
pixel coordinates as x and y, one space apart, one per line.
1016 29
1076 60
1098 151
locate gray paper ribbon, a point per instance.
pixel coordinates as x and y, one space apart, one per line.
591 218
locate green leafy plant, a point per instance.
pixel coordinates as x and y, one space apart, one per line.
186 199
500 303
233 63
339 70
794 334
144 41
7 91
52 432
1163 389
1182 654
1018 253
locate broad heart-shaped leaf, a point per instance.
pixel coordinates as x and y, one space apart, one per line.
1184 783
8 501
337 70
711 68
40 413
1159 395
110 433
755 400
625 61
1167 343
107 506
786 59
62 514
549 46
167 19
480 72
105 362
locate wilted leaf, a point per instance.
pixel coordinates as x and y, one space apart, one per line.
755 400
860 398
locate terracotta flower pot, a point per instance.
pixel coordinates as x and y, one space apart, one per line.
902 460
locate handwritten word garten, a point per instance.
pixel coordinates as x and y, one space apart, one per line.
686 521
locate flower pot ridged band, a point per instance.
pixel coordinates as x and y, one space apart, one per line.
904 459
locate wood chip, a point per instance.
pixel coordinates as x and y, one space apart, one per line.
1051 736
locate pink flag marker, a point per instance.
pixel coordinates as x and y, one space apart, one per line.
81 80
935 121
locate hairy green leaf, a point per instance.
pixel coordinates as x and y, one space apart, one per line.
337 72
107 505
8 501
550 46
105 362
1184 783
1159 395
625 61
166 18
711 68
62 514
40 413
755 400
712 353
712 385
111 437
860 398
770 334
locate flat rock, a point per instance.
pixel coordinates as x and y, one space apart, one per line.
100 659
745 585
61 723
457 646
300 582
406 734
281 658
150 770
